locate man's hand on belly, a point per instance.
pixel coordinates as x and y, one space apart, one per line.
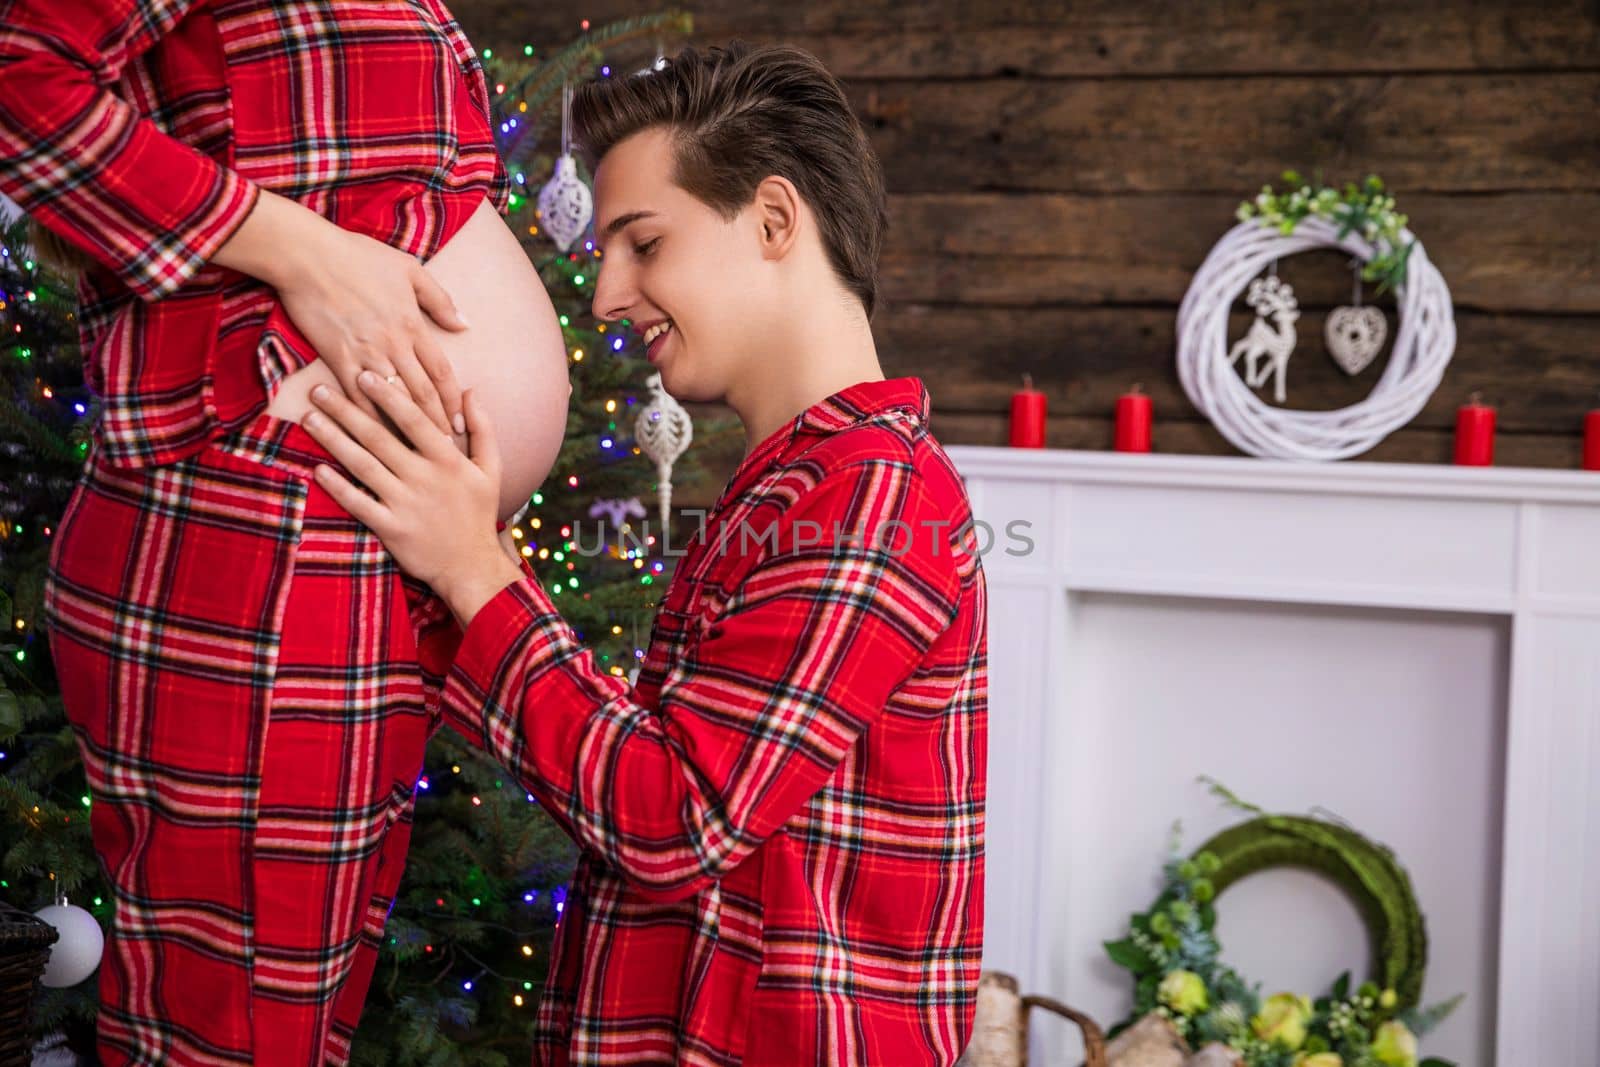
433 507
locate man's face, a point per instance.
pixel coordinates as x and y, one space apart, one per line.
676 259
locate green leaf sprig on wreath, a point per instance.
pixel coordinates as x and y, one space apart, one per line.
1365 209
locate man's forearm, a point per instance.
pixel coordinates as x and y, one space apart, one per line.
279 240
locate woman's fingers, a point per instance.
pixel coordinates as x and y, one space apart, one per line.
432 298
443 375
395 403
427 373
420 385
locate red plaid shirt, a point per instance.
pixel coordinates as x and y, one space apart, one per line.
142 131
782 822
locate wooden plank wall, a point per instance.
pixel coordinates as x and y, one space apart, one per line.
1059 170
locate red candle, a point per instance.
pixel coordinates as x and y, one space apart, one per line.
1027 416
1474 434
1591 441
1133 421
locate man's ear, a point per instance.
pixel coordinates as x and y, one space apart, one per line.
777 206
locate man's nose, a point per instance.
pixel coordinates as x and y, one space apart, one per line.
612 296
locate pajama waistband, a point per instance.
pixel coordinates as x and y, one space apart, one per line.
276 442
280 443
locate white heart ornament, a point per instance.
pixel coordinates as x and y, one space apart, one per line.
1355 336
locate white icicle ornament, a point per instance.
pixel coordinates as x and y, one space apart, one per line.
663 429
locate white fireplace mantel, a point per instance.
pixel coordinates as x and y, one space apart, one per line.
1517 548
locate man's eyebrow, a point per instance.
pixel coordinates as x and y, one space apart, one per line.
622 221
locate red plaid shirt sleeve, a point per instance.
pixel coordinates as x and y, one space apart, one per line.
799 661
438 633
83 162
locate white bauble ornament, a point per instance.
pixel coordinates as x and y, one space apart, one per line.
663 430
77 953
520 514
565 204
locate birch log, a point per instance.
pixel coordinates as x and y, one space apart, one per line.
999 1025
1150 1042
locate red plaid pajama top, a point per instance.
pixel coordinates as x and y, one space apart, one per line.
142 131
782 823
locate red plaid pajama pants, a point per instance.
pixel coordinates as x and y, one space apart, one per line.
238 658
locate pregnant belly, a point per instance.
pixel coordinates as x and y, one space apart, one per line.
512 356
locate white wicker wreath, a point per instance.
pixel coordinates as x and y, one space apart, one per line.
1422 348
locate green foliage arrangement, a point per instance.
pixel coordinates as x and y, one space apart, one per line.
1365 209
1176 962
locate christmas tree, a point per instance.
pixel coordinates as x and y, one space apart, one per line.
45 414
466 946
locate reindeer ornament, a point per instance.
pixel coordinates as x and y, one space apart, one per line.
1271 336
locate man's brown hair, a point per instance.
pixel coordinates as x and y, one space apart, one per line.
739 113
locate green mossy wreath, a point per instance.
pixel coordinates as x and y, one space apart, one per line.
1176 960
1366 871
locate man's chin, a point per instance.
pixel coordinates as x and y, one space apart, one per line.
682 390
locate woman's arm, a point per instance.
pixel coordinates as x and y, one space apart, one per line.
154 210
275 241
81 161
478 85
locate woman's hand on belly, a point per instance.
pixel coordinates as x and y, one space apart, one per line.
369 310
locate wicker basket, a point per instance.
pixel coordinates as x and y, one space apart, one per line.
24 950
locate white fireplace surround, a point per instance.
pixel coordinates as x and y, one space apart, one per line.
1514 552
